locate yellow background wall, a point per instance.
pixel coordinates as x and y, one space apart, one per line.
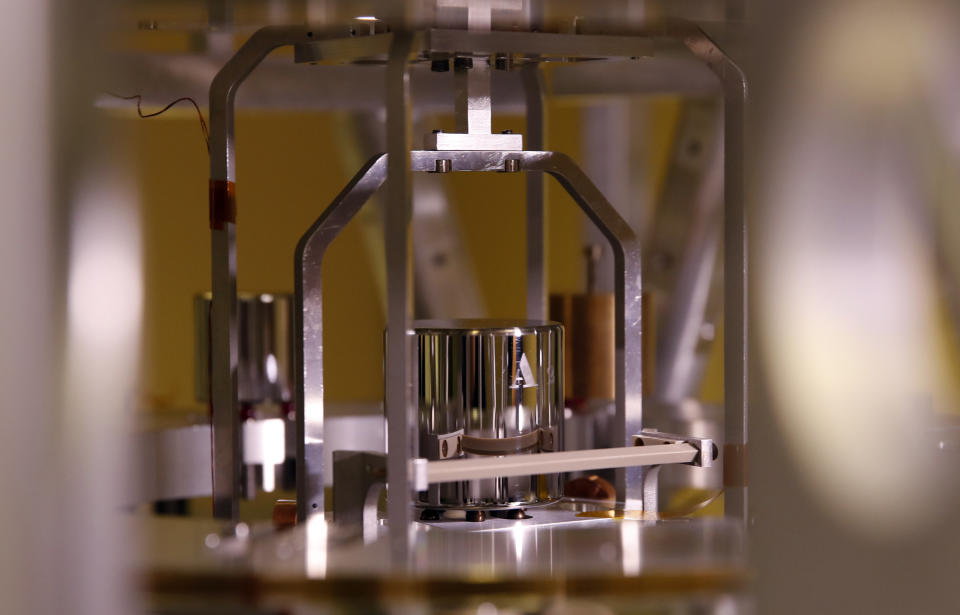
289 167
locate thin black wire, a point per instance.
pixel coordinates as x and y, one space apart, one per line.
139 99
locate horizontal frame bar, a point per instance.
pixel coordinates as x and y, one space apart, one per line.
451 470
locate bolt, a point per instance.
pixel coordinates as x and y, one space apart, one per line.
437 131
506 132
462 63
503 62
444 449
443 166
511 165
440 66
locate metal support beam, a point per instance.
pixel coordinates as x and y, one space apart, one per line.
398 397
627 312
471 110
536 213
226 452
735 270
308 320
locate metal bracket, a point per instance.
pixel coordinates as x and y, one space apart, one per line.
358 479
443 446
446 141
707 451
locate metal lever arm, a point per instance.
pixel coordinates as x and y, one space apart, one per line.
428 472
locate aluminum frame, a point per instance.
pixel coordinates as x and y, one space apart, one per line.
309 299
401 46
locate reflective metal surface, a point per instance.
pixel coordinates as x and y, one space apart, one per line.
600 39
569 546
489 388
265 348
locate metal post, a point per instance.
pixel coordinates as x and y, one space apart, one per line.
308 318
735 302
735 277
227 456
627 313
397 398
536 274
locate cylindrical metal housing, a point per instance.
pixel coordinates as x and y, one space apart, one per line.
490 387
265 336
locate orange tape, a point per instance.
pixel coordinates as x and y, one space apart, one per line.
223 203
735 465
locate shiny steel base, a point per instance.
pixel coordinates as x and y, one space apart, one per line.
580 550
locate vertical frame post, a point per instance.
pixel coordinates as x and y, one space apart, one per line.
227 453
627 317
536 249
399 210
736 344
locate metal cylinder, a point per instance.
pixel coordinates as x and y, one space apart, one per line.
265 336
490 387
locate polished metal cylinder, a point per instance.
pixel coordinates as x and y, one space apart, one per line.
489 387
265 346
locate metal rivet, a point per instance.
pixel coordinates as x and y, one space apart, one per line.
511 165
444 449
443 166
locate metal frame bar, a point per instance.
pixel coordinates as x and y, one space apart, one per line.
536 214
399 399
308 319
226 453
227 456
546 463
736 344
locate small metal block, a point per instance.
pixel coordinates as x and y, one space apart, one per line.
652 437
511 165
548 439
454 141
443 166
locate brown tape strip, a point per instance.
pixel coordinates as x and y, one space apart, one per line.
735 465
223 203
500 446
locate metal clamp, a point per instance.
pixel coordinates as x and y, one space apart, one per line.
707 451
444 446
